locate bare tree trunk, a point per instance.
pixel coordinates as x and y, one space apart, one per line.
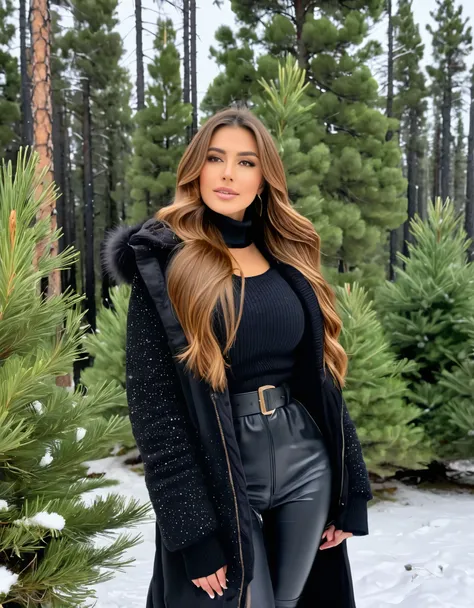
186 63
421 179
446 142
300 17
437 160
459 186
27 119
42 114
88 205
469 216
389 134
194 100
70 208
140 69
111 220
412 180
393 253
60 179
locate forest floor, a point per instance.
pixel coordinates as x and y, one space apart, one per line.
419 552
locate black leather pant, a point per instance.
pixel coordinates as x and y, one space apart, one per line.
288 477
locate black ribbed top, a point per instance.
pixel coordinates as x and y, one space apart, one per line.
271 327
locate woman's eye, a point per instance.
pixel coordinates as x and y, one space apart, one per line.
250 164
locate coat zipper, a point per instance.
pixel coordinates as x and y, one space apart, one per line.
235 497
343 448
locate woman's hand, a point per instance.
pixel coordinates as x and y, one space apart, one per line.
214 581
334 537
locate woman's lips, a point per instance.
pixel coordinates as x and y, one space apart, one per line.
225 196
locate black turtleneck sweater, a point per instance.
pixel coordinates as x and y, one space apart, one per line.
272 324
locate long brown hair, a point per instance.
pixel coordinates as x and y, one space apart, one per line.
200 272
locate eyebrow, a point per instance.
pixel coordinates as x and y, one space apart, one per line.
221 151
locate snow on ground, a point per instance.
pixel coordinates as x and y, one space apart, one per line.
419 553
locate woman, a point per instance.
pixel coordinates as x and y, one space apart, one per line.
251 460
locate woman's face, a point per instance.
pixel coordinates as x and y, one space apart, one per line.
232 162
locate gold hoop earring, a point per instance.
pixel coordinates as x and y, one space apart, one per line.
261 206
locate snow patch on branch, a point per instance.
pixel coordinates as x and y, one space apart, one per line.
38 406
7 580
47 458
80 433
43 519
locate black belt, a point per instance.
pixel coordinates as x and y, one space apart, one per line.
265 400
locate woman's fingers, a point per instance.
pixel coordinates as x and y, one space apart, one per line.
221 577
205 586
215 585
215 582
329 533
338 537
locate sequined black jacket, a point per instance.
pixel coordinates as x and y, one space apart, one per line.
184 432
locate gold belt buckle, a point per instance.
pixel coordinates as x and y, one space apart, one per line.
261 399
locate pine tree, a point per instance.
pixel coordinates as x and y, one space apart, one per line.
460 405
469 210
107 347
238 80
9 85
452 42
376 392
410 102
358 187
428 312
47 432
159 140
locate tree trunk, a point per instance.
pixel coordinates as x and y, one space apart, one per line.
469 216
26 116
60 179
389 134
459 186
186 63
446 142
421 179
42 114
393 254
300 18
194 100
71 207
111 220
140 68
88 205
437 160
412 179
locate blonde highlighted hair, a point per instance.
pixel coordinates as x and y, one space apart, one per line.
200 272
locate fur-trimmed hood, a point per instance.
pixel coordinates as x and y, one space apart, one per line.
118 256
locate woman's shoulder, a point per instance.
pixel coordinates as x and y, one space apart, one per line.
119 254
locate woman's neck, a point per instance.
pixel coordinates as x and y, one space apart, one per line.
236 233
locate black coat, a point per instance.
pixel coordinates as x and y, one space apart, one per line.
207 495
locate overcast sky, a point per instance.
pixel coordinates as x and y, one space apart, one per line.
209 18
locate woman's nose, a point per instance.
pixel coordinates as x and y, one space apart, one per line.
229 171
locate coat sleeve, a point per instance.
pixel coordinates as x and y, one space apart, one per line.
163 432
355 516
